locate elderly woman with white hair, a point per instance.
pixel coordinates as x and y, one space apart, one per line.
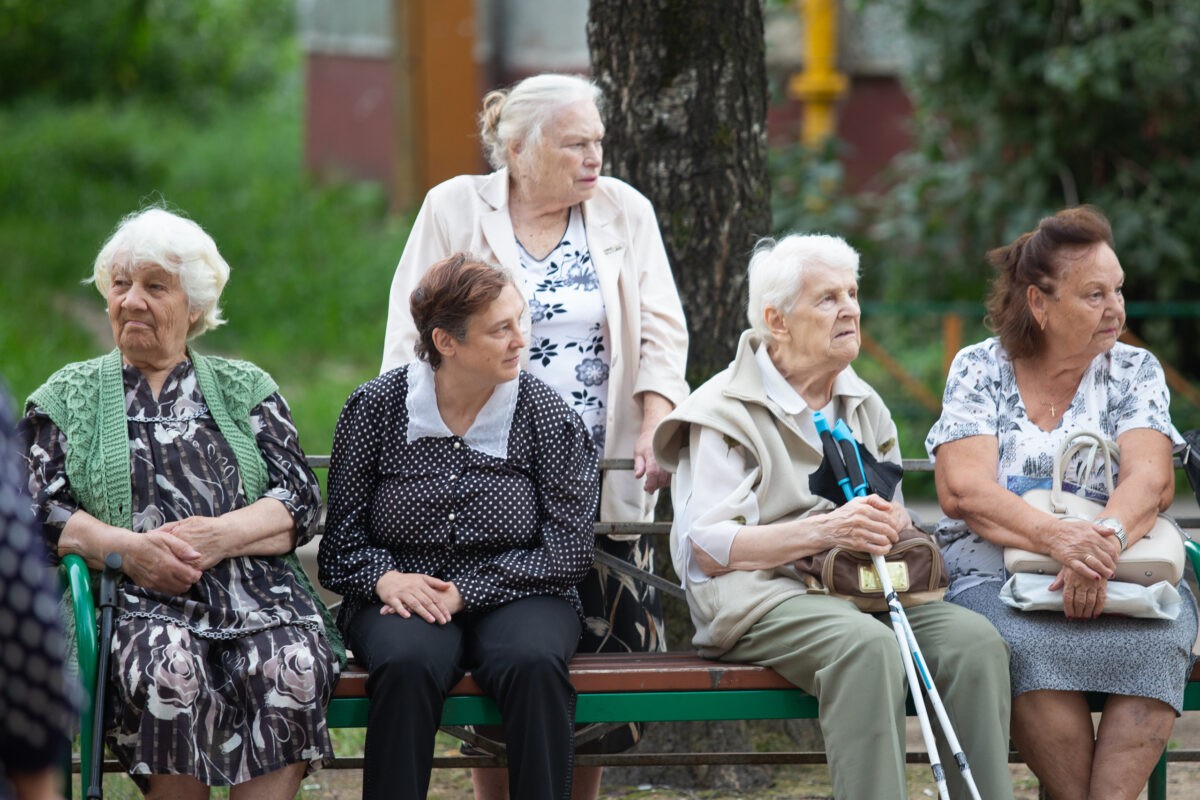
606 326
743 447
189 467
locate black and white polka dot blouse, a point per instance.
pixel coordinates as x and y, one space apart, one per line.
37 701
499 528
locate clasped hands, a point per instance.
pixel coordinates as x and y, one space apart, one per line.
408 593
172 557
1089 555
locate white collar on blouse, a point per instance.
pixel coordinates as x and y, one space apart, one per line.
488 433
784 395
778 390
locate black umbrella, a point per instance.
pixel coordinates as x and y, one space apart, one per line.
882 477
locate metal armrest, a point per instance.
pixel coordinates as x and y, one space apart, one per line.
1192 549
79 584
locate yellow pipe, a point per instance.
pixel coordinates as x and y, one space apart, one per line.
819 85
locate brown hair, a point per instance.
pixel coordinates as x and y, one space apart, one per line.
448 295
1035 259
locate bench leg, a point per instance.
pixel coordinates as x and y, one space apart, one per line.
1156 787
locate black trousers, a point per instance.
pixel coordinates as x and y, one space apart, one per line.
518 654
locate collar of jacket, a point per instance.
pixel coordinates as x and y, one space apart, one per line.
746 385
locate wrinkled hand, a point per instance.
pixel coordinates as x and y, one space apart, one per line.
1084 548
645 464
1083 597
867 524
206 535
406 593
162 562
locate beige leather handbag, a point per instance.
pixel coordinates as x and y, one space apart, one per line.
1157 556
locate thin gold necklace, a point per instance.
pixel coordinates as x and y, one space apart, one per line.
1054 403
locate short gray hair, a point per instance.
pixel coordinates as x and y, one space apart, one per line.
178 245
777 270
519 114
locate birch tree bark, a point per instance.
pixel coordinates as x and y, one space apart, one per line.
685 89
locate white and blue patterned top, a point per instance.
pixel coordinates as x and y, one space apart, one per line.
568 326
1121 390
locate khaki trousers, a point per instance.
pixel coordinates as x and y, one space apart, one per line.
850 661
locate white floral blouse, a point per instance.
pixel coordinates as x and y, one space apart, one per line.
569 329
1121 390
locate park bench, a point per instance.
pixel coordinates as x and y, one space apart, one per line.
613 688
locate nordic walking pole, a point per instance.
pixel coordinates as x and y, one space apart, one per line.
108 601
846 440
840 463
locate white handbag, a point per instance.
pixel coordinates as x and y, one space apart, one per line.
1157 556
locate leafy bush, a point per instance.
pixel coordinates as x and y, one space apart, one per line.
311 265
190 54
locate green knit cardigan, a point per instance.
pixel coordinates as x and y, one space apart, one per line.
86 400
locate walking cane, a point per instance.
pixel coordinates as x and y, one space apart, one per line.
839 463
108 601
914 660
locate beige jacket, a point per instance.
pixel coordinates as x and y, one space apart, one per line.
647 334
735 404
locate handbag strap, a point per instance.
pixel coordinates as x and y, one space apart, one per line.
1100 447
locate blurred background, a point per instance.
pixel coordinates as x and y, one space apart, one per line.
303 133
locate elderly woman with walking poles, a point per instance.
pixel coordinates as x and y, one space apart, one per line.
743 447
189 467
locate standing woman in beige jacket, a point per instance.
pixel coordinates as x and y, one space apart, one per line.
606 325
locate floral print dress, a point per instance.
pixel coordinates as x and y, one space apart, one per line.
569 329
229 680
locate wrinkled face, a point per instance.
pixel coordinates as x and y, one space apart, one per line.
1086 312
821 331
491 350
148 311
564 168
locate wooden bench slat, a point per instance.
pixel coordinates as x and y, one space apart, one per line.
623 672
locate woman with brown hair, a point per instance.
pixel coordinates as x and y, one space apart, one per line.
461 498
1055 368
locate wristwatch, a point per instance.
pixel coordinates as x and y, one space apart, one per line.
1114 525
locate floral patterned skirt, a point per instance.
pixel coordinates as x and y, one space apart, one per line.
223 710
621 615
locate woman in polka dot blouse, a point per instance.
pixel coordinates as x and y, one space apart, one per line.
461 498
37 704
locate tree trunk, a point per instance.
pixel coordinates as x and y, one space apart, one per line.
685 91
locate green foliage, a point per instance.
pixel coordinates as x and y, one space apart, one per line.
190 54
807 193
1020 109
1023 108
311 265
